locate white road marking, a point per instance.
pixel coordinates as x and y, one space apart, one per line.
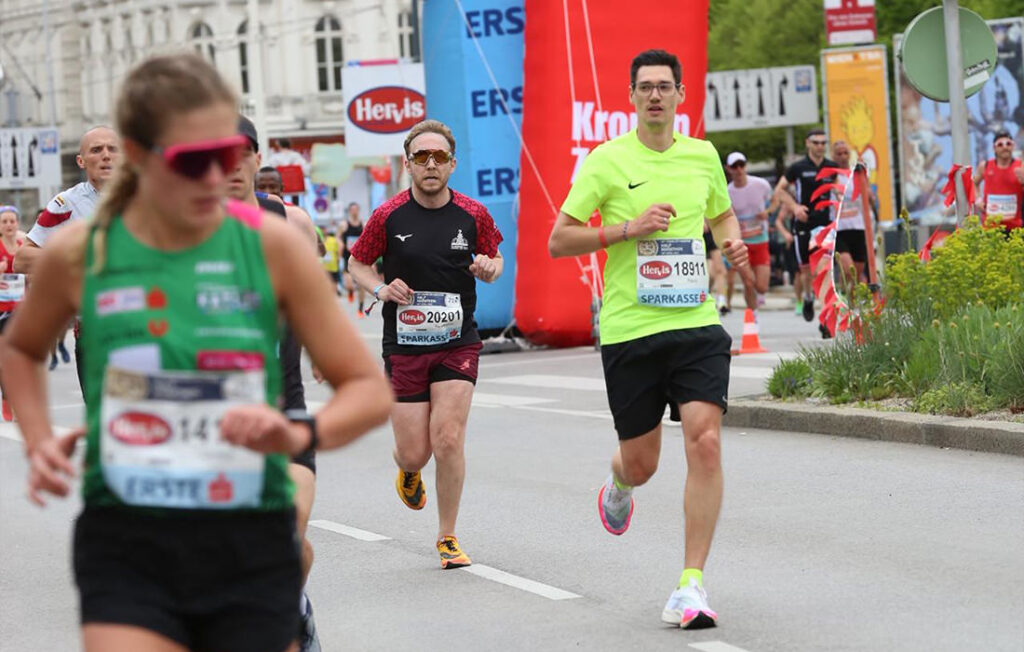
525 359
547 381
772 356
521 583
594 414
349 531
481 399
716 646
762 373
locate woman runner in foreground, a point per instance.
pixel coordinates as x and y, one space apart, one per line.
187 539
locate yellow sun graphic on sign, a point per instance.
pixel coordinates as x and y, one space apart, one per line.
857 121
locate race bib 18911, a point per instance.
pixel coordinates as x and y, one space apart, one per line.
160 440
431 318
671 273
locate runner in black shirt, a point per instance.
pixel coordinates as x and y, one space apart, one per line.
802 175
435 243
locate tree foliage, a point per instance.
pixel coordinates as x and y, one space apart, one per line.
766 33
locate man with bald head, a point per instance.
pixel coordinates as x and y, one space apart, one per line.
98 153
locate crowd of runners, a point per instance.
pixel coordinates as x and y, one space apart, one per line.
193 289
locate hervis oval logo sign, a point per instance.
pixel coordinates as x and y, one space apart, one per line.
140 429
655 270
412 317
387 109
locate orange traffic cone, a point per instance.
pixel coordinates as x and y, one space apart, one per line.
750 343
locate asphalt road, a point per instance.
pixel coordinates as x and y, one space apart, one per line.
823 543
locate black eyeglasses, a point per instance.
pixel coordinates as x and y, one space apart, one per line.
422 156
664 88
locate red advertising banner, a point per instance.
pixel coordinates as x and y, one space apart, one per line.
848 22
576 96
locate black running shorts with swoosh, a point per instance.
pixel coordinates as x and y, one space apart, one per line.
644 375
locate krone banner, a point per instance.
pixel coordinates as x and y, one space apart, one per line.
576 96
856 92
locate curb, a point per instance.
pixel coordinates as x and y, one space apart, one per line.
900 427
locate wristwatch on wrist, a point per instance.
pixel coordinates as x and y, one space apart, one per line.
301 416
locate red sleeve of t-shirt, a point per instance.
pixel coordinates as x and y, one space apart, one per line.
373 242
487 235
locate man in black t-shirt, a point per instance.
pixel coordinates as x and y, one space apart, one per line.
435 243
802 175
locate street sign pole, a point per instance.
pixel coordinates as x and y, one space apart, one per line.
957 101
790 148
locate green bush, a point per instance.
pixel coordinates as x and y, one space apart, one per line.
791 378
974 264
959 399
950 337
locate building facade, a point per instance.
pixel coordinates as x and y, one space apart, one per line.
89 46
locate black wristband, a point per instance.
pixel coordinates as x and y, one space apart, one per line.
301 416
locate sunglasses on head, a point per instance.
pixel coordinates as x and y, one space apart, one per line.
193 160
422 156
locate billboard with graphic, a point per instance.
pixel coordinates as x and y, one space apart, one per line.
855 87
924 128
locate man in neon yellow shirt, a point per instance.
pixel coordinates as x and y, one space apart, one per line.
661 340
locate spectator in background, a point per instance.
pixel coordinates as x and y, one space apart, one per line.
282 154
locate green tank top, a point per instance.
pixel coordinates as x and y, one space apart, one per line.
169 339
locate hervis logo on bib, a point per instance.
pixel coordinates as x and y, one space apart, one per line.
655 270
412 317
140 429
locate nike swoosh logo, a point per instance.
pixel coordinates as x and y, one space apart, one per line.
636 185
403 238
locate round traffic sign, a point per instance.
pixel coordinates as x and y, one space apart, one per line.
923 53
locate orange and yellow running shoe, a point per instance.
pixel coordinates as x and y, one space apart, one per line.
451 554
410 489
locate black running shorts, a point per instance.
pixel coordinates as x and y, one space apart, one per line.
211 581
852 242
673 367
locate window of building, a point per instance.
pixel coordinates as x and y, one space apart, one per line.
404 33
329 59
243 55
202 39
